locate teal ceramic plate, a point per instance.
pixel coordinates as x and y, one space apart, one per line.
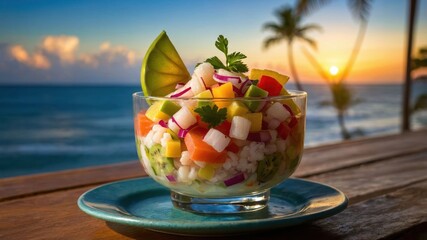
144 203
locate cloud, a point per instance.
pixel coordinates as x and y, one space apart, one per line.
36 60
62 46
57 59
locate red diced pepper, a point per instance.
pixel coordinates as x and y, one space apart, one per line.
201 123
283 130
232 147
224 127
293 122
269 84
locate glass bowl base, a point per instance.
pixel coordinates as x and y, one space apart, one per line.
227 205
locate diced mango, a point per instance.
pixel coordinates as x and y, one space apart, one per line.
206 172
154 114
223 91
257 73
161 110
204 94
236 109
256 121
294 107
173 149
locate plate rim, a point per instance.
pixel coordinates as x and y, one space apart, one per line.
171 225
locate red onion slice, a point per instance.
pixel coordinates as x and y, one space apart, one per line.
183 132
289 109
171 178
261 136
180 93
224 79
245 85
163 124
240 177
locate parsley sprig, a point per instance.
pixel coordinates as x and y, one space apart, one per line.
233 60
212 115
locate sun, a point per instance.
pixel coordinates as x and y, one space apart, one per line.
333 70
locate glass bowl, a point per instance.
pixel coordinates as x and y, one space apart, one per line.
220 155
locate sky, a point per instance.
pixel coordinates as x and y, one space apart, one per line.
104 42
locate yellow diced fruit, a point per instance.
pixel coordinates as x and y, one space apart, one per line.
257 73
204 94
223 91
173 149
294 107
206 172
256 121
154 114
236 109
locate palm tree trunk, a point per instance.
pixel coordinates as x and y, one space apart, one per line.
292 66
344 133
407 86
356 49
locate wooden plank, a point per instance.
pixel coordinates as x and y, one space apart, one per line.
315 160
56 214
374 179
16 187
347 154
390 216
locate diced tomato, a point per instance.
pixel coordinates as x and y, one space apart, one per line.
269 84
200 150
293 122
283 130
224 127
143 125
200 123
264 125
232 147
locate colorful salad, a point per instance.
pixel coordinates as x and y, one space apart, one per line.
219 132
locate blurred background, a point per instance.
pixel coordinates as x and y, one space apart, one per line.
68 68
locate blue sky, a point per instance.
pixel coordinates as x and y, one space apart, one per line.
96 42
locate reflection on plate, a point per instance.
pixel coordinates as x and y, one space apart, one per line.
144 203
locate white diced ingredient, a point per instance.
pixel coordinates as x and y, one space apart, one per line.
216 139
273 134
281 145
278 111
205 71
240 127
196 86
185 159
173 126
193 174
183 174
184 118
165 138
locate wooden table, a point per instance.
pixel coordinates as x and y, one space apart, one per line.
385 179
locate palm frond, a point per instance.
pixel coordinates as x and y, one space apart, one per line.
271 26
305 7
310 41
272 40
360 9
309 27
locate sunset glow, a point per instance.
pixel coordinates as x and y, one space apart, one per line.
333 70
96 48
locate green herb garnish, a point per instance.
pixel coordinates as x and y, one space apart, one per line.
211 115
233 60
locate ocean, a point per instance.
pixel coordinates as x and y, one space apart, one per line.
50 128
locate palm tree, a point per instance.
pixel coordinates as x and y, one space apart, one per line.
406 109
289 28
342 97
360 10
